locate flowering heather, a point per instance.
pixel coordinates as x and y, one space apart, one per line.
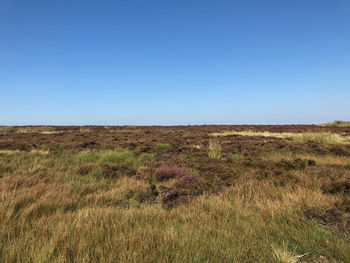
190 182
166 173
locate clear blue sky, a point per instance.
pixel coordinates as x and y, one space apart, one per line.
174 62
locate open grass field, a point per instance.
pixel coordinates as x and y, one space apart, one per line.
175 194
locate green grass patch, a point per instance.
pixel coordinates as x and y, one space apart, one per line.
162 147
117 156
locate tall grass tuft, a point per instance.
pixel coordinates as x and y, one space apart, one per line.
214 150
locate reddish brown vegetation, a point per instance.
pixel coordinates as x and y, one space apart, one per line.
341 186
111 170
182 190
166 173
336 217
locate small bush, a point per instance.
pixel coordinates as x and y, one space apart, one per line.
166 173
111 170
296 164
193 183
172 197
182 190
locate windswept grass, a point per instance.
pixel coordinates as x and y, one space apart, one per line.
320 137
252 222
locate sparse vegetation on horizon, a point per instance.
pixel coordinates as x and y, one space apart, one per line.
336 124
28 129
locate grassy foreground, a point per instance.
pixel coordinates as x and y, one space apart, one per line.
97 206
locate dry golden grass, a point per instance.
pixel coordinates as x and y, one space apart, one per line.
323 159
32 129
214 149
284 256
320 137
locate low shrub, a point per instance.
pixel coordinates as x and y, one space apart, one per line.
193 183
182 190
114 170
341 186
296 164
172 197
166 173
336 217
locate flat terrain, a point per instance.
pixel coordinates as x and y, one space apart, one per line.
175 194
